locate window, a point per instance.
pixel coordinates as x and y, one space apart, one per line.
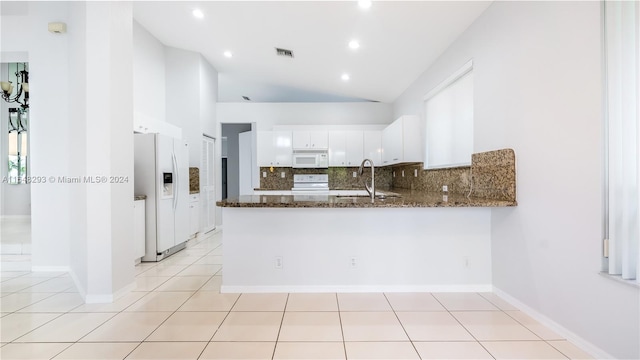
448 113
622 182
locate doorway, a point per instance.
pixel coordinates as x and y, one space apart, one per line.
237 160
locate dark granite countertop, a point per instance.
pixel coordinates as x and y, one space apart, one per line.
139 197
406 198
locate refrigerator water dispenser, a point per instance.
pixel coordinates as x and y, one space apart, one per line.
167 185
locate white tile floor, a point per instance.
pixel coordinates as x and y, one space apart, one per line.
177 312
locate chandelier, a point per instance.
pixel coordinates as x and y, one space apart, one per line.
21 86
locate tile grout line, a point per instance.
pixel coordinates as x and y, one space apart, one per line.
154 290
402 325
219 326
284 311
344 343
148 294
464 327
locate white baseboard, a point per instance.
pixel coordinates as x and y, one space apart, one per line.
585 345
101 298
353 288
50 269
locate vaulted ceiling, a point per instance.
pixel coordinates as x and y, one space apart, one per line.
398 41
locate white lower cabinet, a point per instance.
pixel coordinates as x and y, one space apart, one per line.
138 229
194 215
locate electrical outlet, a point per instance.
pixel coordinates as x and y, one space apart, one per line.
445 188
278 262
353 262
264 174
394 174
282 175
355 174
402 173
415 172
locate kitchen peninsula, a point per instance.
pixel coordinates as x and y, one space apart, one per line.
416 239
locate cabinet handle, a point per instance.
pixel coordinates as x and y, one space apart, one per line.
396 159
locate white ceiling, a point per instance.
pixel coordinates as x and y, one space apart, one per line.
398 41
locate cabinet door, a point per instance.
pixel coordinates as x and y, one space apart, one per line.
373 146
283 148
411 139
392 143
310 139
266 149
318 139
337 148
354 142
301 139
194 215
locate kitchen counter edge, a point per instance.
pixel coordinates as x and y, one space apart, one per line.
407 199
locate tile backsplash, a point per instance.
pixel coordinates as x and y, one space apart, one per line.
194 180
339 177
492 173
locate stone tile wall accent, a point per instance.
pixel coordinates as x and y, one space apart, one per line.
339 177
457 179
494 174
194 180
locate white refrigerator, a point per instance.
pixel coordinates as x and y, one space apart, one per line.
161 172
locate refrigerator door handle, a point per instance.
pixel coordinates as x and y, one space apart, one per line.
176 187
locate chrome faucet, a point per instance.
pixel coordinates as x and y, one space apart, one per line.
370 189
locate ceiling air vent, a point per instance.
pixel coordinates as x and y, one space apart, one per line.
284 52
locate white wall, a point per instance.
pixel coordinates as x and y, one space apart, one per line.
183 97
208 97
47 56
148 74
267 115
537 86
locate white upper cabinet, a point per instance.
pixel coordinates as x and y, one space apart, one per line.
274 148
310 140
401 141
337 148
354 148
373 146
346 148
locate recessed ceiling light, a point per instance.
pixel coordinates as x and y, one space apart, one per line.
228 54
345 77
353 44
198 13
364 4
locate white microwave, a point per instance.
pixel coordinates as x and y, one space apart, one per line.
310 159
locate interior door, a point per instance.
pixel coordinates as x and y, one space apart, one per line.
245 176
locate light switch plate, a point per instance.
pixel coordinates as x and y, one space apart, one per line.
264 174
402 173
415 172
355 174
282 175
